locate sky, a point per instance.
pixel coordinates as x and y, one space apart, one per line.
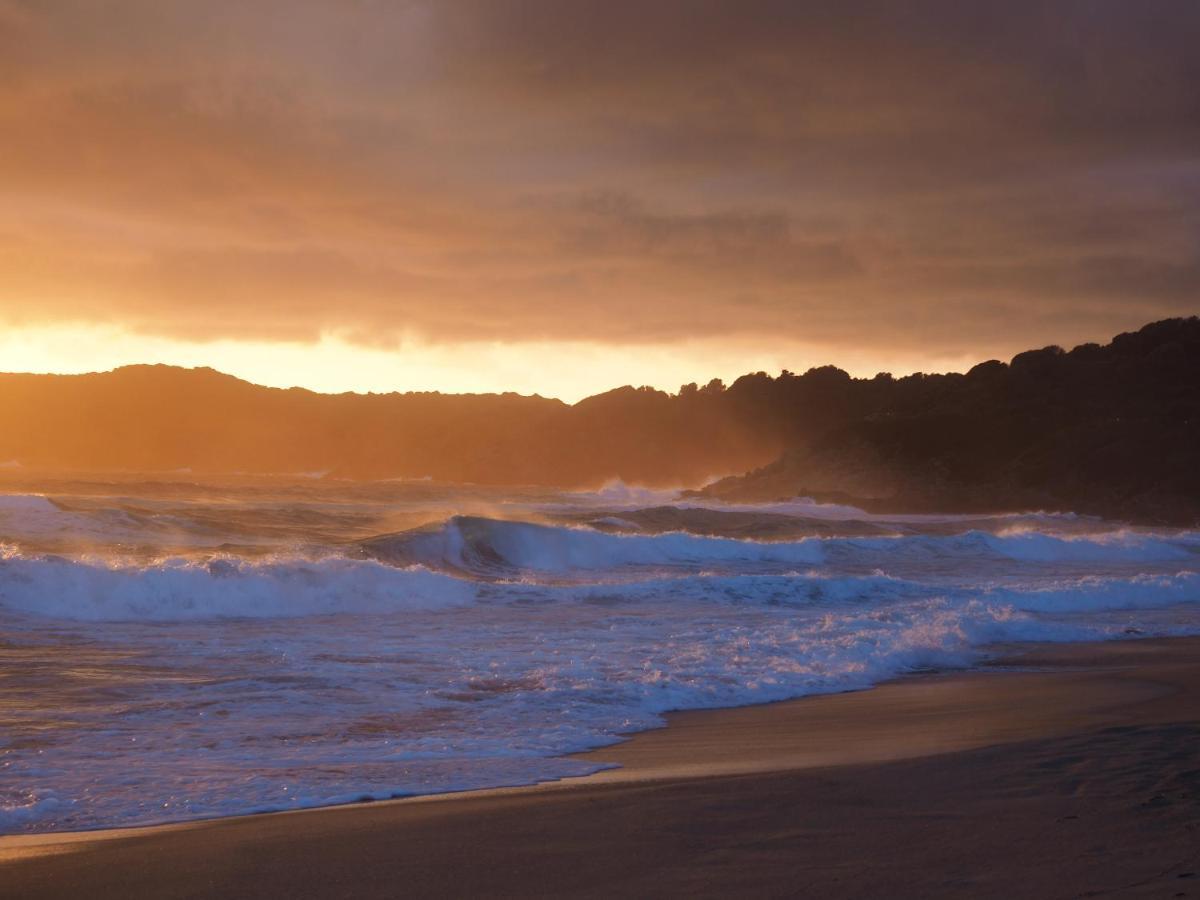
563 196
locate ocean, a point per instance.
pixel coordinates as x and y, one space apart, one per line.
176 649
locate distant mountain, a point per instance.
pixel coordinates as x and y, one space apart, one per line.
1111 430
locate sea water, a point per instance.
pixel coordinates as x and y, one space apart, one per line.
173 649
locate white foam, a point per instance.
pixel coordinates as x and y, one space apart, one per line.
549 549
239 716
1120 546
183 590
616 494
12 505
484 546
187 687
490 545
179 589
1095 594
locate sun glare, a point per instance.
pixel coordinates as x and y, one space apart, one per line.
566 370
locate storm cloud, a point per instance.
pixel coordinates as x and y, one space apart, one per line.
957 177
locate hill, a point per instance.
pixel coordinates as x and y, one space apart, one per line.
1112 430
162 418
1109 430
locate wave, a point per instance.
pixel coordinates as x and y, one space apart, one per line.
178 589
230 638
183 590
501 548
1096 594
457 697
26 504
616 494
878 593
34 517
1119 546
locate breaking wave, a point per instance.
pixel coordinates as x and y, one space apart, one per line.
494 547
189 656
491 547
224 588
180 589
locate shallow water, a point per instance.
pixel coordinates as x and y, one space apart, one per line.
173 649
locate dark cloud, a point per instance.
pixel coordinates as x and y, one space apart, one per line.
966 177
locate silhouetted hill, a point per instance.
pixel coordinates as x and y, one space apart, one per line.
1112 430
162 418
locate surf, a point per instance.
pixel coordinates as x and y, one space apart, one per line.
275 646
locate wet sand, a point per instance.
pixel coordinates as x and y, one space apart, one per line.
1056 772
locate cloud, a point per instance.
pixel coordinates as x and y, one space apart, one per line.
966 178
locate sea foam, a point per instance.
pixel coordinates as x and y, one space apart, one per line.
296 663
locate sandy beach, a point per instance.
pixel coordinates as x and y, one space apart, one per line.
1056 771
568 448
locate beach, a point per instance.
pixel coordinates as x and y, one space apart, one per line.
565 449
1053 771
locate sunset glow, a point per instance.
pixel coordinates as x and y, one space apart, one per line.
581 196
629 423
567 370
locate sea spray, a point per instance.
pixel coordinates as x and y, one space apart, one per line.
203 657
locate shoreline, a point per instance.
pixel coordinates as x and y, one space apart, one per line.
1034 694
701 743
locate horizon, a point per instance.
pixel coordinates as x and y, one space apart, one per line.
334 367
331 367
673 391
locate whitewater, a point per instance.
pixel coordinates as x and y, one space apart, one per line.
176 649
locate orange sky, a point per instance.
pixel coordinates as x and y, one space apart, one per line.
565 196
